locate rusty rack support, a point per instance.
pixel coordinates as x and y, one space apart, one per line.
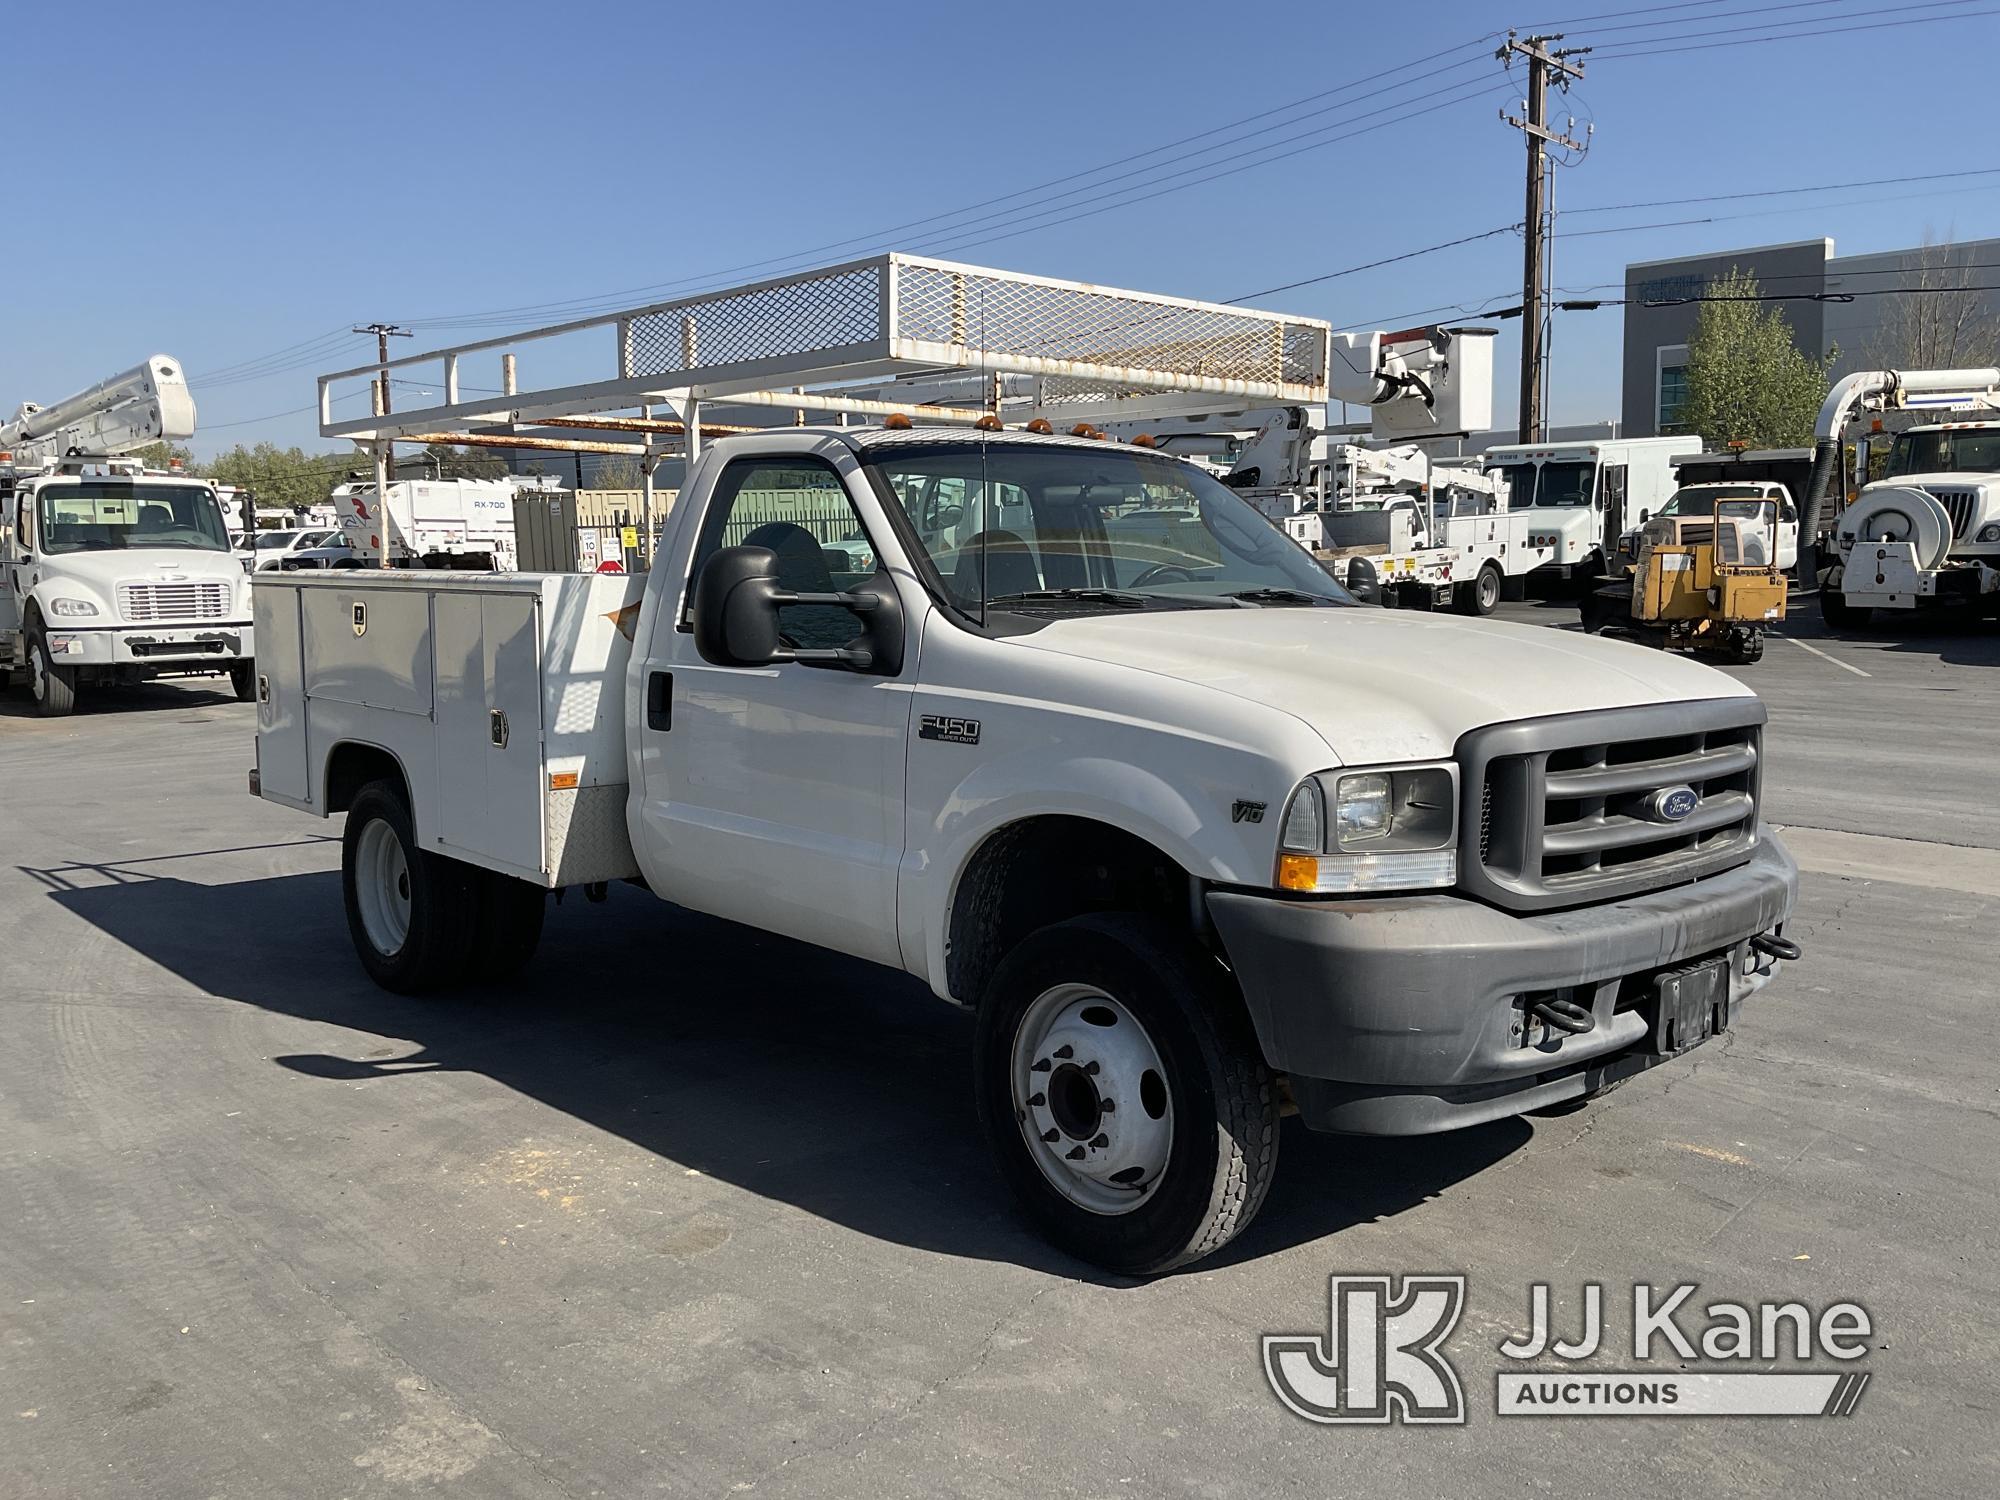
1096 351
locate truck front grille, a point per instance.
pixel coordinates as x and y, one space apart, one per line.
1570 809
146 603
1959 505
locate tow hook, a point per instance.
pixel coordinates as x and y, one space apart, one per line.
1772 946
1564 1015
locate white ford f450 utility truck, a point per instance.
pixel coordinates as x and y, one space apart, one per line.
1194 835
1109 760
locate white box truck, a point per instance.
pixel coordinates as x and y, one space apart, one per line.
433 523
1581 494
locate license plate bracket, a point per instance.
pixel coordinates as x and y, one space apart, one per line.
1689 1006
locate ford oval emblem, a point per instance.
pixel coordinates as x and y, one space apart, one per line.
1670 804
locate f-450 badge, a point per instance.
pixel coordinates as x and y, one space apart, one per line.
952 731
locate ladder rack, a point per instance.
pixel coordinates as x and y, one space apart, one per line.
1095 352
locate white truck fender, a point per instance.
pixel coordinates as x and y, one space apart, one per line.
1197 833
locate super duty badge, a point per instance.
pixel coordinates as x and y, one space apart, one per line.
952 731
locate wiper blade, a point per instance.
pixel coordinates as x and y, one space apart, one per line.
1082 596
1280 596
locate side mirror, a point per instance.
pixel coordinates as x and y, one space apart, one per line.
737 596
1362 581
1644 515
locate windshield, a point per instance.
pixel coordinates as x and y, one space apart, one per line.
1002 522
268 540
99 515
1972 450
1568 484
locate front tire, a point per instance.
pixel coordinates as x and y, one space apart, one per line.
1123 1095
243 680
410 913
54 687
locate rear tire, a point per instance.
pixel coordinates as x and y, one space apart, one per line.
410 913
1837 612
1481 596
54 687
243 680
509 926
1180 1162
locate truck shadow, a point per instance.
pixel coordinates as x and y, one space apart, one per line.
801 1076
138 698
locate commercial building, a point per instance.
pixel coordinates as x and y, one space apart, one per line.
1897 296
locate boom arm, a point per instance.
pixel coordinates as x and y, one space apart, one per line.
150 403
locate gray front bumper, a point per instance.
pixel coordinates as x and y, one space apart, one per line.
1402 1016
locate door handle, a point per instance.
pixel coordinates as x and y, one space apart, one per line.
660 701
496 720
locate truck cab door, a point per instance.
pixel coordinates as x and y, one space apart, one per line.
775 795
16 529
1612 491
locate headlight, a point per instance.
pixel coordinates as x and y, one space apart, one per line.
1989 532
1391 829
72 607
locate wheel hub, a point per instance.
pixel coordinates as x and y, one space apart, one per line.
382 887
1091 1097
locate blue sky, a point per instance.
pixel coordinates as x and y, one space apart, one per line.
227 180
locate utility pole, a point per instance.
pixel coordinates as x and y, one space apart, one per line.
1534 126
385 452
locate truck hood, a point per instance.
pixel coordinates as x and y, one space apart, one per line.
98 574
1387 685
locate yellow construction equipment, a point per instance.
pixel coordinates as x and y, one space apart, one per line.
1700 583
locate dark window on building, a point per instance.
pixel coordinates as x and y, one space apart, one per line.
1673 397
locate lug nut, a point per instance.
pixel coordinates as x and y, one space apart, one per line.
1065 1050
1102 1140
1051 1133
1035 1101
1076 1154
1040 1067
1090 1068
1107 1106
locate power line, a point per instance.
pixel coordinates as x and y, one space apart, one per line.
1647 49
1824 187
1391 260
1478 91
1704 29
586 303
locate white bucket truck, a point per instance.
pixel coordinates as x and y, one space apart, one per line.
1198 841
109 573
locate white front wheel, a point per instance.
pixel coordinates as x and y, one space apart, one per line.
1091 1096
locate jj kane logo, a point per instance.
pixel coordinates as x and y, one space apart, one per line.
1382 1357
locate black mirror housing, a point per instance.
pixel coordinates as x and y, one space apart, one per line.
736 608
1362 581
737 596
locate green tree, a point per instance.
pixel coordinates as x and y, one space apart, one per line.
160 456
461 463
1747 381
284 476
616 474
